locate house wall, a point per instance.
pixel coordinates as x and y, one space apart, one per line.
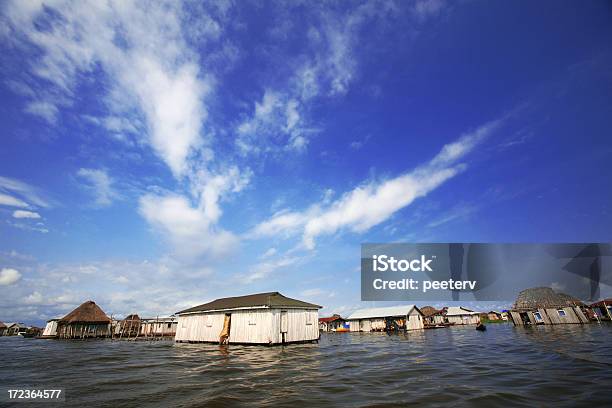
199 327
152 328
545 317
581 316
463 319
415 321
435 319
302 325
83 330
50 328
569 318
516 318
377 324
250 326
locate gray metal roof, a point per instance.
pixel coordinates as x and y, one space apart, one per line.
259 300
380 312
459 311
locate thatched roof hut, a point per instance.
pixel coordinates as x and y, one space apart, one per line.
87 320
88 312
542 305
430 311
130 326
544 298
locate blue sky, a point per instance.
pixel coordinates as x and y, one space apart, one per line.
155 156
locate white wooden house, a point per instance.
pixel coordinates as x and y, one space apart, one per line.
407 317
158 327
459 315
50 331
263 318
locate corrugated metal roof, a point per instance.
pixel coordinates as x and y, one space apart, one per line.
379 312
459 311
269 300
330 319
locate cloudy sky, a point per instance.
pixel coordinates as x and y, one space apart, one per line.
155 156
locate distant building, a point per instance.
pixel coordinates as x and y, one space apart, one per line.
128 327
432 316
459 315
263 318
405 317
333 323
14 329
2 328
542 305
87 320
159 327
493 315
50 330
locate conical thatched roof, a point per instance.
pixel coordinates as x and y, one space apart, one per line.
132 317
543 297
429 311
88 312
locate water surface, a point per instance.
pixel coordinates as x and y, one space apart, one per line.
568 365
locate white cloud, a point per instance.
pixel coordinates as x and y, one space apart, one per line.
264 269
26 192
190 229
425 9
35 298
277 114
9 276
283 222
372 203
101 185
141 48
457 212
312 292
45 110
270 252
11 201
26 214
327 67
38 227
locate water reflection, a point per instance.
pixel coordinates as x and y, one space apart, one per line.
543 365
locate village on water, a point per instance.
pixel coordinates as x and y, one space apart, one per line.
274 319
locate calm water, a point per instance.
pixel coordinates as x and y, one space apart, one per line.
543 366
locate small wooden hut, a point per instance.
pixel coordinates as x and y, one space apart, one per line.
432 316
459 315
15 329
405 317
542 305
494 315
50 331
158 327
86 321
129 327
263 318
332 324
